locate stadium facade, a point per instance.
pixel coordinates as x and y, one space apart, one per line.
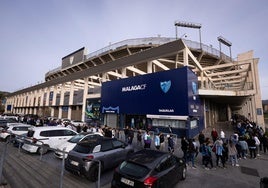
148 82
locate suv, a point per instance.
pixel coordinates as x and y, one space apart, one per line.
40 139
85 157
12 130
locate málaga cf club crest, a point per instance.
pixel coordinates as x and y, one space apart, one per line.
165 86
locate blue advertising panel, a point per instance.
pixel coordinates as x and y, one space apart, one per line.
161 93
92 109
194 102
9 107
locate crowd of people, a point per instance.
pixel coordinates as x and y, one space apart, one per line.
246 141
147 139
217 150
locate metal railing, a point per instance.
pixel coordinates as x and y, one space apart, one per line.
24 139
152 41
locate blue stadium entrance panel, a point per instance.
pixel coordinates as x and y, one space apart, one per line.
167 97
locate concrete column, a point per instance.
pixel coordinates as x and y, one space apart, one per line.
124 72
104 77
35 97
202 80
61 100
30 97
42 93
71 98
47 96
84 98
20 100
204 110
185 57
55 91
150 67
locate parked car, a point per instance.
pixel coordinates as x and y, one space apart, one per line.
85 157
5 122
19 140
40 139
77 122
70 144
149 168
13 129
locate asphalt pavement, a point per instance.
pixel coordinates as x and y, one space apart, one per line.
247 175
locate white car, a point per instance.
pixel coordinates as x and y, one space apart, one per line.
69 145
40 139
77 122
10 131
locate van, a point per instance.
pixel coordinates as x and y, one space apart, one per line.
40 139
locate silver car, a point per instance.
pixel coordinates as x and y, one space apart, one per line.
86 155
70 144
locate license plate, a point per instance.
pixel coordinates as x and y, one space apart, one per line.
128 182
74 163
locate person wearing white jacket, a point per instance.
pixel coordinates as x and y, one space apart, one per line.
257 141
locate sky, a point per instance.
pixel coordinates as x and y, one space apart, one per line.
36 34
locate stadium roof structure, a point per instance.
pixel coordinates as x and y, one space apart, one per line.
218 74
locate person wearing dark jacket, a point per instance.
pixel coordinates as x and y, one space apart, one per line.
201 138
184 147
265 143
170 144
252 146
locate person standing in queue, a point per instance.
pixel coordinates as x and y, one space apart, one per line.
184 147
126 131
170 144
214 135
157 141
147 139
162 141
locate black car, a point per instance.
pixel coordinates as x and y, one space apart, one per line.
149 168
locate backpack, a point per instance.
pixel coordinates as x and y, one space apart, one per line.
191 147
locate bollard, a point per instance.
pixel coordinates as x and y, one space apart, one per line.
99 173
62 168
2 163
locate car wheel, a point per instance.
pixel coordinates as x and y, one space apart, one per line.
93 173
42 150
8 138
183 173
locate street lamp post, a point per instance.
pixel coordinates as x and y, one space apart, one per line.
189 25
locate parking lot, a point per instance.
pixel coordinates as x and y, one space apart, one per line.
22 169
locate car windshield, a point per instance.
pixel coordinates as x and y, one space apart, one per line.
76 138
133 169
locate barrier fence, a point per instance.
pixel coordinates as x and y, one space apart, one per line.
23 139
